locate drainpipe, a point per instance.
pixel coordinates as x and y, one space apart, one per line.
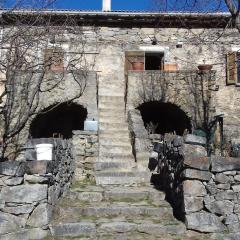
106 5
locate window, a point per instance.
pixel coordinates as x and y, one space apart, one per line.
233 68
153 61
54 59
151 58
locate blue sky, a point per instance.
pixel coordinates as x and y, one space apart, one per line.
97 4
142 5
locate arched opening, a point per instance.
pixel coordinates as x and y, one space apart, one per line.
163 118
60 119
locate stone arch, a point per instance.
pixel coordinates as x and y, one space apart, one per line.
59 119
164 117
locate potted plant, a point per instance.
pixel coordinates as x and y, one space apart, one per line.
137 63
204 66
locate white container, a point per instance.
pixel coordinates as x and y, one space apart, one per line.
90 125
44 151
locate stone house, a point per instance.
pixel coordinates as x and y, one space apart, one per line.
169 47
140 73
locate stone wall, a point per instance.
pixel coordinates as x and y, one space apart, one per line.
30 189
189 90
86 154
203 190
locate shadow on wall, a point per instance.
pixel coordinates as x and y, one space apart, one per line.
161 118
58 120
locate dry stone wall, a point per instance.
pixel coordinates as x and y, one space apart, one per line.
86 150
204 190
29 190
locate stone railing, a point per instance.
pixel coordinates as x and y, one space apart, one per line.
30 189
205 191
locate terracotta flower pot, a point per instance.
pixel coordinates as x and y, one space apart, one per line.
170 67
138 66
205 67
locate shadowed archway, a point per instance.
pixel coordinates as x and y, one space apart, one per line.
160 117
60 119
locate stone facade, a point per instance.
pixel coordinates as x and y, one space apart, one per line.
105 55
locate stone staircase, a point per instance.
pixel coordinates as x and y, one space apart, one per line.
116 164
121 204
115 212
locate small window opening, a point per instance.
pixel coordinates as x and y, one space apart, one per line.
154 61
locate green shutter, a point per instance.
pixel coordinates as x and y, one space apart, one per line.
231 68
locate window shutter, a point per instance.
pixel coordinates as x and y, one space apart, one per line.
232 68
54 59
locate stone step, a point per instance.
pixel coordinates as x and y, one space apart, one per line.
112 99
114 104
109 90
112 118
133 194
116 148
105 114
114 141
126 159
113 126
121 178
119 229
115 154
102 210
114 133
111 111
112 165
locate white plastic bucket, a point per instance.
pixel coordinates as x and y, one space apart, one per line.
44 151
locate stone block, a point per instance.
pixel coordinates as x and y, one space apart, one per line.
192 204
194 150
212 188
236 188
204 222
195 140
39 167
234 228
12 168
222 178
231 219
223 186
231 173
237 178
193 188
40 216
26 234
10 223
90 196
226 195
117 227
222 164
196 174
208 199
24 193
17 210
13 181
73 229
37 178
200 163
224 207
